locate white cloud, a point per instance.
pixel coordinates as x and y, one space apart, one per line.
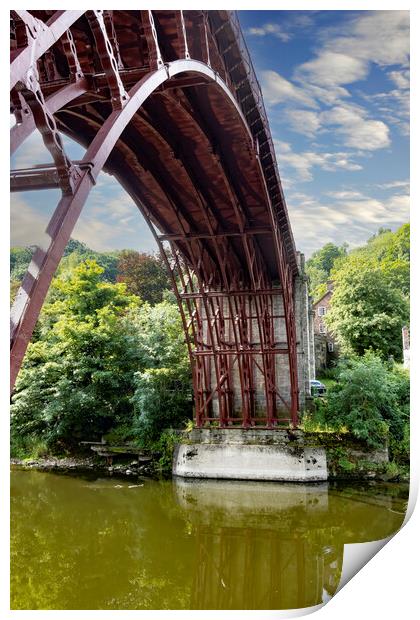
32 152
296 21
96 233
332 69
270 29
399 207
27 226
394 105
376 36
276 89
346 195
109 220
349 217
394 184
400 78
350 121
328 95
305 122
345 57
358 131
304 162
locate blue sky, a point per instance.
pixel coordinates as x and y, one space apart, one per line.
335 86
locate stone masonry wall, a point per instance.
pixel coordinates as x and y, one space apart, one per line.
305 350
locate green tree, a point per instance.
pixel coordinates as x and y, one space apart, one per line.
320 265
144 274
391 252
77 379
102 362
163 396
367 311
19 262
76 252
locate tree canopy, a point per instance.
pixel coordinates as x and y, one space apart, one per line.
77 377
370 302
320 265
144 274
101 360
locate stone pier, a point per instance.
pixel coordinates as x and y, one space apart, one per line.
256 453
249 454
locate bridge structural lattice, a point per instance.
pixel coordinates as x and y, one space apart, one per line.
168 103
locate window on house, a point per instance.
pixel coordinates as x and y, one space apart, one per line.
322 310
330 347
322 329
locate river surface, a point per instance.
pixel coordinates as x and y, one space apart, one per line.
105 543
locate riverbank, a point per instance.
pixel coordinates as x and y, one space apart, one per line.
82 464
339 468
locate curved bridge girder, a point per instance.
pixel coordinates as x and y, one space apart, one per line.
197 161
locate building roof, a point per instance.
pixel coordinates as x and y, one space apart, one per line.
321 298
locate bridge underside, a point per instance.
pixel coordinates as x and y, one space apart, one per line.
168 103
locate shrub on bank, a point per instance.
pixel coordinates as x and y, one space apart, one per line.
162 399
370 400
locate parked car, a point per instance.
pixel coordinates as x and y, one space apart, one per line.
317 388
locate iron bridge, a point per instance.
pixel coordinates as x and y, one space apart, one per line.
168 103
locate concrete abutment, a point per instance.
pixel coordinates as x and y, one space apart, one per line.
278 454
249 454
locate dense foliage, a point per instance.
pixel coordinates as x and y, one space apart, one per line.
370 399
108 356
369 306
163 387
84 374
19 261
77 377
387 251
144 274
370 302
320 265
367 312
75 253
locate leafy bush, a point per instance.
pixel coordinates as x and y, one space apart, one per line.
123 433
28 447
399 449
370 400
163 387
314 421
329 373
165 447
162 399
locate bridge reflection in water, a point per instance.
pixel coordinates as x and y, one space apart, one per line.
276 546
105 543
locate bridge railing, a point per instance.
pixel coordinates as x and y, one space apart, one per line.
247 91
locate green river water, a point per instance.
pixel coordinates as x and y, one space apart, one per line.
103 543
